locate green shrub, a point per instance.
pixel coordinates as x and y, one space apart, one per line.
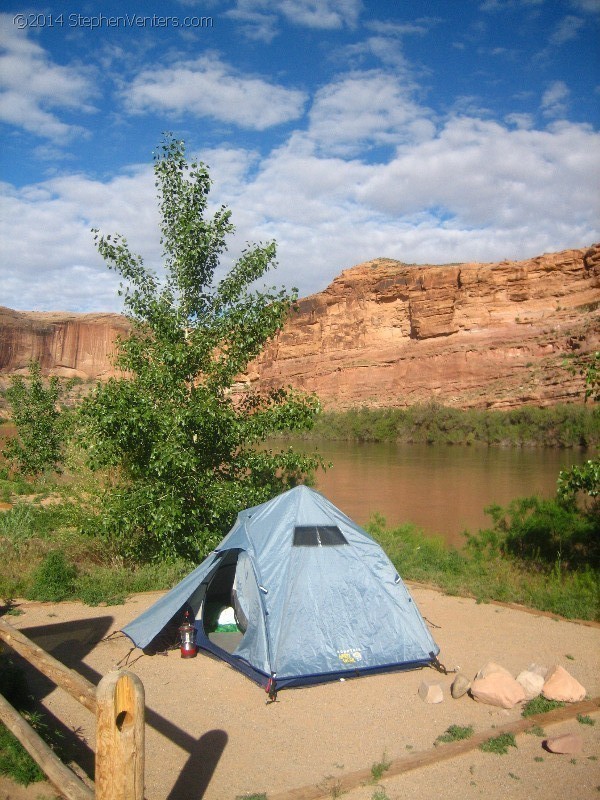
499 744
379 768
484 571
585 719
100 587
539 705
455 733
557 426
41 424
54 579
543 531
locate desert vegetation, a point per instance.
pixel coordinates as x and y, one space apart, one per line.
125 489
432 423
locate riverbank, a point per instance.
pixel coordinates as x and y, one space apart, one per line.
47 557
485 570
573 425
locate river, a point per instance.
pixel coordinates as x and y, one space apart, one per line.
443 488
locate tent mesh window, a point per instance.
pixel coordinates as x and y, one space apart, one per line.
318 536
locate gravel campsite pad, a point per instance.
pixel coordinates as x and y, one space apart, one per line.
210 734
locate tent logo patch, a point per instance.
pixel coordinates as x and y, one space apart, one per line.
350 656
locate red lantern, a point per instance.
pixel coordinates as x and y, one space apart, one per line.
187 637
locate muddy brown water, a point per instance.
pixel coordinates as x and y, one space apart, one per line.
443 489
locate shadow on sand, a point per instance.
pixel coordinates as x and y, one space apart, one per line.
197 773
70 643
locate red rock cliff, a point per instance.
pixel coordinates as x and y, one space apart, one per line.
70 345
386 333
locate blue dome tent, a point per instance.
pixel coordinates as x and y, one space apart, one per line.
315 596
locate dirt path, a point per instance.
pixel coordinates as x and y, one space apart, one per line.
211 735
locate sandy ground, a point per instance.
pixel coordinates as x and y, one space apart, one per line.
210 734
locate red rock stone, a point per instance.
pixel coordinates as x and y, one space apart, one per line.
532 683
498 689
567 743
560 685
490 668
68 345
431 692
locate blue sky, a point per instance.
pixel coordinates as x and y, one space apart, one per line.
428 132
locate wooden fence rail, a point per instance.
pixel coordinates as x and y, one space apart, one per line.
118 704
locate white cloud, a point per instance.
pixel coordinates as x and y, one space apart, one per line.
324 14
554 99
365 110
387 28
497 181
260 26
524 121
566 30
260 18
207 87
32 86
503 5
386 43
48 259
387 49
476 190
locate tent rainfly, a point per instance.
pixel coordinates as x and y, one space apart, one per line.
315 598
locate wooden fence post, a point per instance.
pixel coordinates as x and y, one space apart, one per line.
120 737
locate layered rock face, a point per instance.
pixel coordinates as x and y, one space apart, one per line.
389 334
68 345
386 333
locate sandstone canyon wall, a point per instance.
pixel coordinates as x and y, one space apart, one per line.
385 333
68 345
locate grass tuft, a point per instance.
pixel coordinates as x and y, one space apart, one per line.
379 794
255 796
455 733
499 744
379 768
539 705
536 730
584 719
484 571
15 761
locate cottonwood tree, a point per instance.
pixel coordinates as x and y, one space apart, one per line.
40 421
185 452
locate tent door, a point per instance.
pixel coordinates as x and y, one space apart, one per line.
218 603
